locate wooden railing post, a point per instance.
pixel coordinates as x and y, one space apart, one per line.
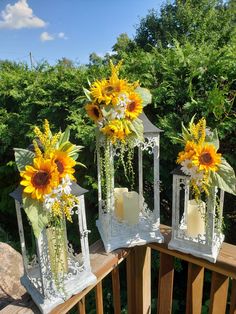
139 280
99 298
165 284
81 306
233 298
219 292
194 289
116 290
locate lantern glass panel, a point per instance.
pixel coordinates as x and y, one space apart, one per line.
197 224
129 200
54 268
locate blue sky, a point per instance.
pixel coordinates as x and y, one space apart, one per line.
52 29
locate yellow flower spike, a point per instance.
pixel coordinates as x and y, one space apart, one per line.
54 140
47 129
37 150
198 131
56 209
188 152
39 134
115 69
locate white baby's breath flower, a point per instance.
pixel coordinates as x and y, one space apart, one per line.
55 195
191 170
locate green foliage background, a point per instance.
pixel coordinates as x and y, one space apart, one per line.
186 56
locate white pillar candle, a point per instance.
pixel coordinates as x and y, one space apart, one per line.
195 218
131 207
119 208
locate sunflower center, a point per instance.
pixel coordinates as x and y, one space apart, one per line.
109 89
131 106
41 178
60 166
206 158
96 112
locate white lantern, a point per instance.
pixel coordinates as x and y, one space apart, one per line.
196 224
125 218
74 269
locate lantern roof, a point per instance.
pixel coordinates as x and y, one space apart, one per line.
75 190
147 125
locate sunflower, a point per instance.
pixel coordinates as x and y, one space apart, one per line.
40 178
100 91
94 112
115 130
207 158
64 164
134 107
108 91
188 152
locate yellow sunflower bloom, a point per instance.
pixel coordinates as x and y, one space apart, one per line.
207 158
108 91
188 152
40 178
94 112
115 130
100 92
134 107
64 164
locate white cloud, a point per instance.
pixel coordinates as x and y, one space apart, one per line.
62 35
19 15
45 36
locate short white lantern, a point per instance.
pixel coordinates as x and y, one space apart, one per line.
38 276
196 224
126 218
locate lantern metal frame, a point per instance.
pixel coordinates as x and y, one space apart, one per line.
38 278
116 233
205 245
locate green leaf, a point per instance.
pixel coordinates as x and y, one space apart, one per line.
80 164
36 214
66 146
23 158
137 127
73 153
224 178
145 94
64 136
87 93
213 139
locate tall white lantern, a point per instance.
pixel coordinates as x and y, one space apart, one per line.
196 224
74 269
126 218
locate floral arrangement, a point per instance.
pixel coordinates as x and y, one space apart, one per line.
47 171
201 160
114 104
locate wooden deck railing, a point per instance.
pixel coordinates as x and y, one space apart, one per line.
138 269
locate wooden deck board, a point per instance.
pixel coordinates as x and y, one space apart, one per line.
225 264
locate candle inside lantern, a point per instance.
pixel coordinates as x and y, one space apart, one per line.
195 218
119 208
131 207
